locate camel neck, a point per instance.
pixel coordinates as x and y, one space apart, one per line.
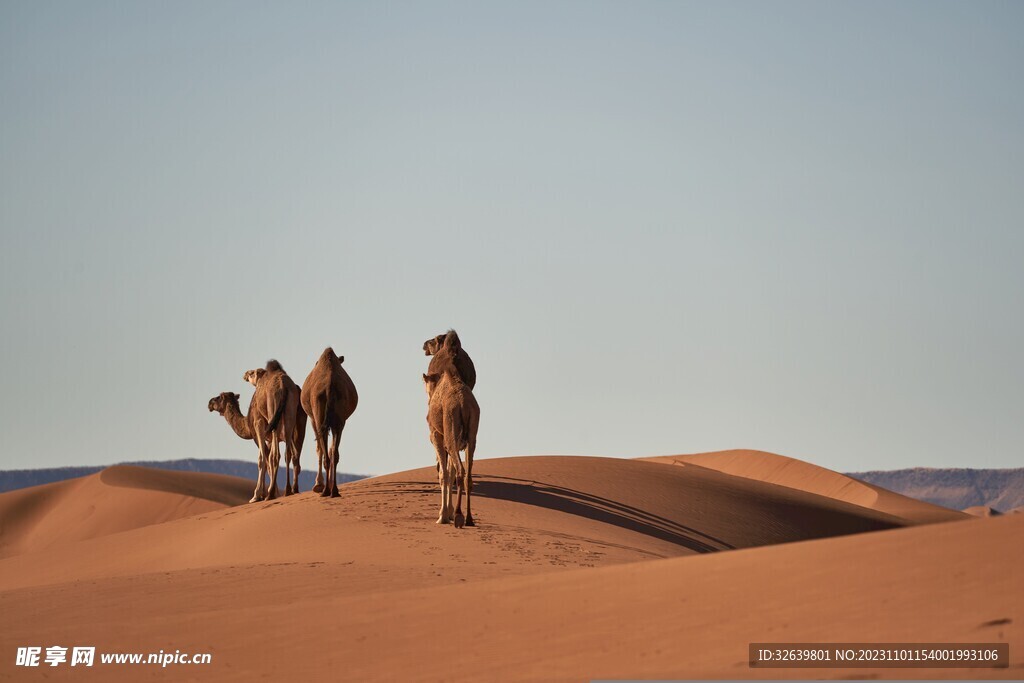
238 422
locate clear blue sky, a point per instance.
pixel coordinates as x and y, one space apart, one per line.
659 227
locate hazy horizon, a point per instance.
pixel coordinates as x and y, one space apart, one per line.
658 227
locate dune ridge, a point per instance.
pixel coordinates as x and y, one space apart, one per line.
117 499
805 476
982 511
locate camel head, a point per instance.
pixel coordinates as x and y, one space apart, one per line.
430 383
254 376
329 353
221 403
433 345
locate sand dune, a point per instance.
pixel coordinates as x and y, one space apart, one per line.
535 511
804 476
117 499
982 511
580 568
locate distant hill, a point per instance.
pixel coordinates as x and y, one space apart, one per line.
959 489
19 479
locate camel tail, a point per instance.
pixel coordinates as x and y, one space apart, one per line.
272 425
327 407
451 444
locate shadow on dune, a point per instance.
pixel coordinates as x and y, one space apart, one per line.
599 509
573 502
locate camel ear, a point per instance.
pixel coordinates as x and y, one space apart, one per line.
236 396
341 359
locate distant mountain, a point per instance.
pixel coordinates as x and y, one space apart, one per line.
958 489
19 479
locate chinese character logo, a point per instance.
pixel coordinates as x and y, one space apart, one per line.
83 655
28 656
55 654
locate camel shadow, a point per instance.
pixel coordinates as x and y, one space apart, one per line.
596 508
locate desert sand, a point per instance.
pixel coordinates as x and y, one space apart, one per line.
117 499
579 568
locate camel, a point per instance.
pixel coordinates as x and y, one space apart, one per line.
272 404
329 398
293 442
267 412
454 354
463 363
453 416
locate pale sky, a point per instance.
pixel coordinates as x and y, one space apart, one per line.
659 227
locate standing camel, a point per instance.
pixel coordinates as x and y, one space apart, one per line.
227 405
269 407
293 441
447 350
453 416
329 398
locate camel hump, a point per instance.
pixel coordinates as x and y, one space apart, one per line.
452 341
273 366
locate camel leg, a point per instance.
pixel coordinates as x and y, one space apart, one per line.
288 455
257 494
442 478
470 449
456 458
293 450
260 491
452 475
453 482
328 482
455 485
335 446
442 481
320 433
291 463
450 484
275 462
330 487
318 485
298 437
